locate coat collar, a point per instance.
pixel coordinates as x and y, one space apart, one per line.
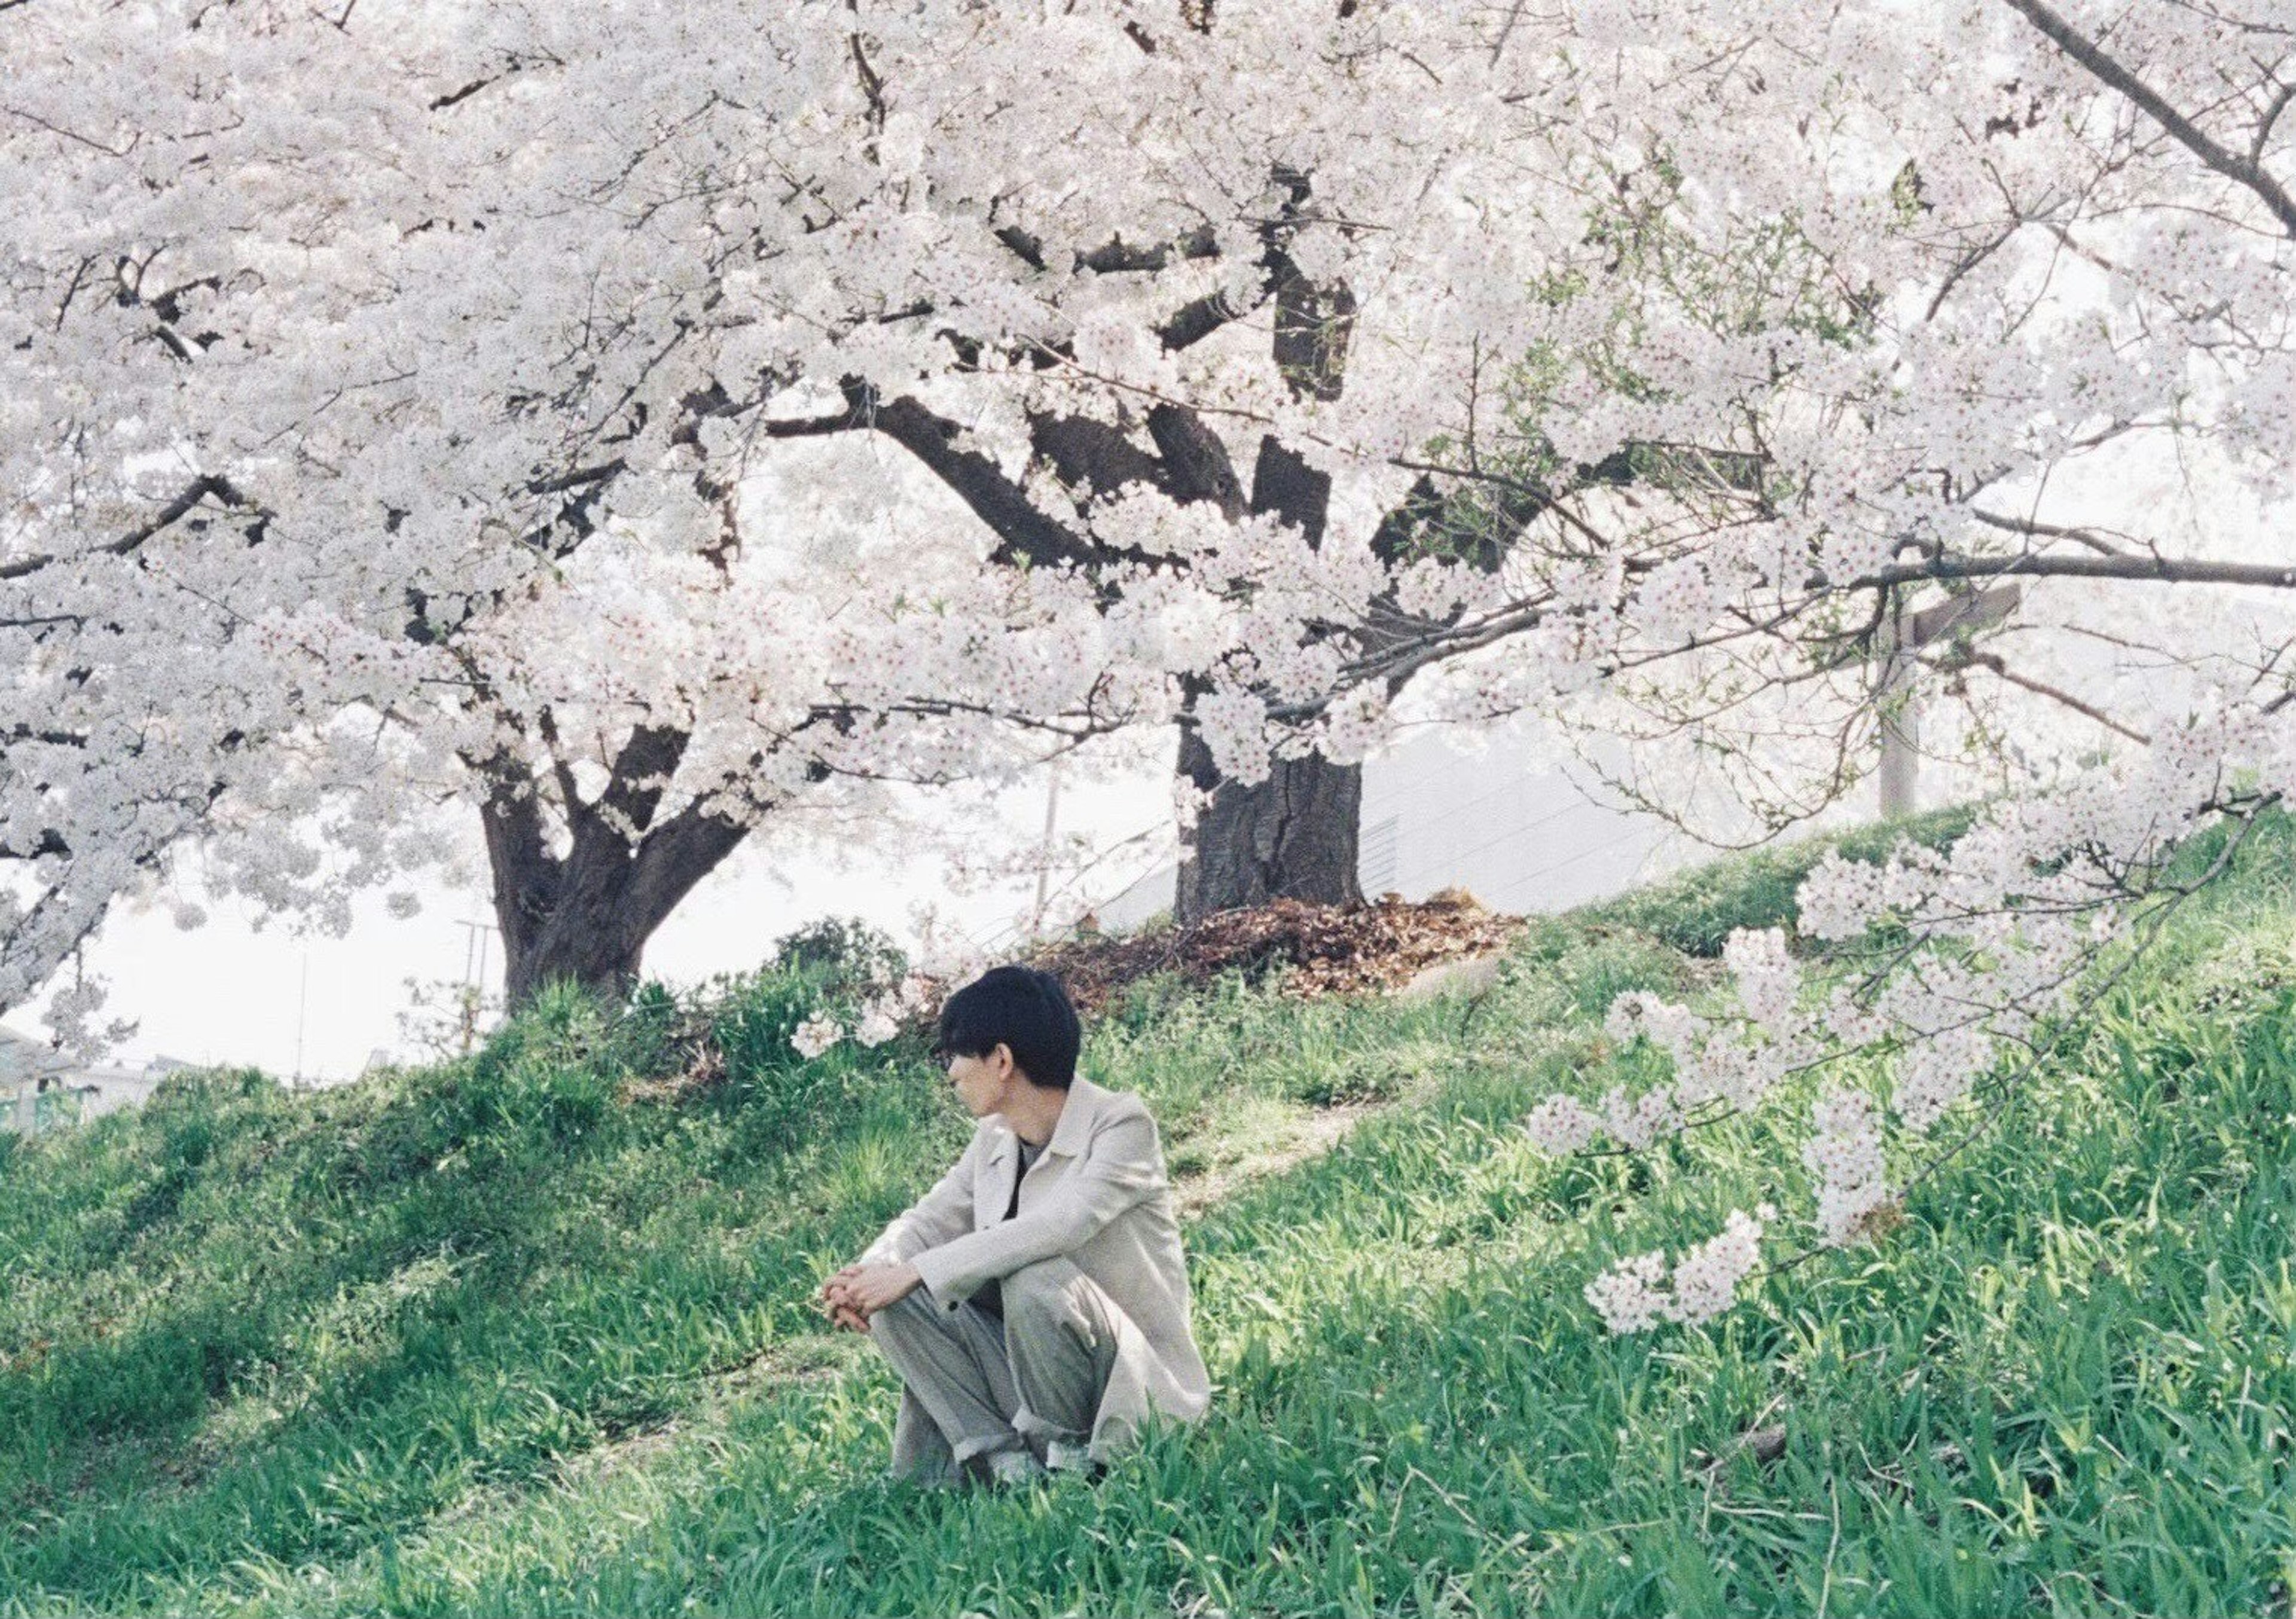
1068 1136
1077 1114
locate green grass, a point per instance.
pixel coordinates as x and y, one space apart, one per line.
496 1337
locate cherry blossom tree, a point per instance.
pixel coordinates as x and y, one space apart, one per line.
363 366
368 452
1788 355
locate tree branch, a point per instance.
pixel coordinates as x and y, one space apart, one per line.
1023 532
51 842
2056 694
634 785
198 490
676 856
813 427
1096 455
1196 460
1194 321
1284 484
2165 571
2248 172
2022 524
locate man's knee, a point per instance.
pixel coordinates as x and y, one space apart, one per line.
1039 1294
904 1320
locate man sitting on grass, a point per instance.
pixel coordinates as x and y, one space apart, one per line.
1035 1302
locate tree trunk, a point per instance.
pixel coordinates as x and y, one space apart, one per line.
1291 836
585 915
594 938
1295 834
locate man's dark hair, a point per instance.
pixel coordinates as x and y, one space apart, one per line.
1022 1008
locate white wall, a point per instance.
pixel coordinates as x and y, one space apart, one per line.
1517 835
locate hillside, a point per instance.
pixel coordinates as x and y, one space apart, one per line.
529 1332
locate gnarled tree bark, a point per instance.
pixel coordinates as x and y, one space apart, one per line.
1294 834
583 914
1291 837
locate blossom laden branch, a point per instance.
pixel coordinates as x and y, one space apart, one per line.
2246 170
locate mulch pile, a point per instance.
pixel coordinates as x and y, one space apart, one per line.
1332 950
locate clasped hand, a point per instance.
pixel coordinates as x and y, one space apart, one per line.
857 1292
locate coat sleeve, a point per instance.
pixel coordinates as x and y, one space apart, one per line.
1122 1166
941 1215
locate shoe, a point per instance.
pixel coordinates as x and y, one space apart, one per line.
1073 1460
1009 1468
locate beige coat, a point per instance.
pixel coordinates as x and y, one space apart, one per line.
1097 1196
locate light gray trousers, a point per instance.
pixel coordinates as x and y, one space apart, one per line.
1035 1381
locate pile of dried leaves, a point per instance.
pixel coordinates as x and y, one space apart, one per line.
1332 950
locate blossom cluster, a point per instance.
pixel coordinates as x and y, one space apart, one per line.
2006 926
1844 1151
878 1019
1638 1292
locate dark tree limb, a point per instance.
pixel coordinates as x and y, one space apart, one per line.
2166 571
1196 462
1116 257
1095 456
2244 170
677 855
1197 319
1283 483
211 486
604 832
1023 532
1313 325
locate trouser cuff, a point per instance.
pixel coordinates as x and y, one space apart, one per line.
985 1444
1065 1449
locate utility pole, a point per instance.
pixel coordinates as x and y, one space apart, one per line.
1898 775
302 1018
1904 635
474 978
1045 851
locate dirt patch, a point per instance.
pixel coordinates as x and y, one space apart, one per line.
632 1450
1330 950
1321 1131
810 1359
704 1071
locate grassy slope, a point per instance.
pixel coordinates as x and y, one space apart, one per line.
488 1338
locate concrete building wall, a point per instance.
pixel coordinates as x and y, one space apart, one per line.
1520 837
38 1092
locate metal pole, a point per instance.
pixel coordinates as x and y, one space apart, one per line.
302 1016
1045 853
474 977
1901 760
